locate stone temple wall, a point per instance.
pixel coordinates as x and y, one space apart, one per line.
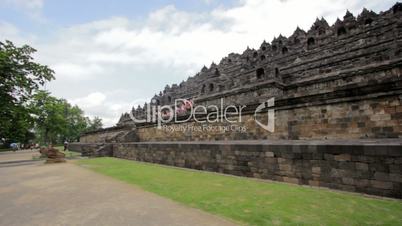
354 52
355 119
365 166
366 105
333 83
109 135
100 136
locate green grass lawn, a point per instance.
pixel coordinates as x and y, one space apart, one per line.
250 201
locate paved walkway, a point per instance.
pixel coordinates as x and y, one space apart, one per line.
32 193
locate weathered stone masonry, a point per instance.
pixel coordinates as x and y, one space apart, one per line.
331 82
372 167
339 84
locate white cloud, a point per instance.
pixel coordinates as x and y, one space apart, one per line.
138 57
8 31
32 8
207 1
75 71
92 100
106 105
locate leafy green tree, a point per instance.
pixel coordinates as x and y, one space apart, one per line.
20 77
20 122
50 120
77 123
57 121
27 112
95 124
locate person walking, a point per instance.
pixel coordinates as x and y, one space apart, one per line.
65 145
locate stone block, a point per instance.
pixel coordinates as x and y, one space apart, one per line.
378 167
342 157
346 187
361 182
282 160
394 151
348 180
329 157
395 168
381 184
314 183
349 166
316 170
375 150
271 161
307 156
381 176
337 173
291 180
395 177
361 166
317 156
285 167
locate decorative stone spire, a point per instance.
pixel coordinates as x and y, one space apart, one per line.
217 73
366 17
364 11
397 7
338 22
264 45
299 30
320 26
349 20
324 22
348 15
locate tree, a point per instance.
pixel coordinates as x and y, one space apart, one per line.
77 123
95 124
57 121
20 76
26 111
49 117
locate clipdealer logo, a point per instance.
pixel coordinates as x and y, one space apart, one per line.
184 110
270 126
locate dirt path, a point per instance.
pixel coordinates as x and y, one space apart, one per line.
32 193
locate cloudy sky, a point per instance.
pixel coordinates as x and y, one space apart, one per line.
111 55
